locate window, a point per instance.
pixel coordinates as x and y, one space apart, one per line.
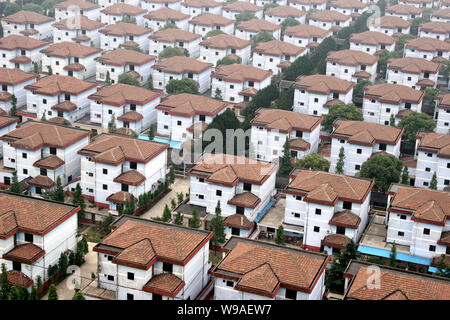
403 217
201 179
105 171
382 147
357 167
132 107
43 172
340 230
133 165
316 229
44 101
401 233
427 169
110 278
17 266
219 193
358 151
130 296
432 248
28 237
247 187
52 150
105 187
291 294
388 110
316 99
229 283
178 123
298 134
240 210
299 198
318 211
167 267
347 205
201 196
25 171
426 231
24 155
130 276
201 117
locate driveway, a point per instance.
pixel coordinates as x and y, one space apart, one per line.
180 185
66 293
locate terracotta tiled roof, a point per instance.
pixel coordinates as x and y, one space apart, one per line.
115 149
228 169
14 42
19 279
444 102
306 31
428 44
141 252
5 97
33 135
367 133
21 60
285 12
201 3
81 38
13 77
300 144
327 185
435 142
186 104
413 65
27 253
249 92
131 116
69 49
75 67
245 200
130 177
65 106
393 93
42 182
399 285
209 19
294 268
309 2
278 48
30 215
225 41
348 4
83 23
352 58
82 4
403 113
242 6
436 27
169 242
51 162
125 29
285 121
445 238
171 35
404 9
58 120
56 84
336 240
180 64
27 17
6 121
121 57
121 9
166 284
425 204
120 94
372 38
443 13
120 197
28 32
329 16
323 84
346 219
262 279
391 22
238 221
258 25
125 131
164 14
240 73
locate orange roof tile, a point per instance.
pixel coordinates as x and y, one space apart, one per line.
120 94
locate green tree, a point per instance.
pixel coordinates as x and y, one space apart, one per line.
49 70
263 37
384 56
413 123
105 223
433 182
63 262
5 286
393 256
127 78
128 19
78 200
358 89
23 293
195 222
217 226
58 194
279 239
170 52
179 219
108 78
33 293
11 8
263 99
78 296
167 214
392 121
270 5
13 106
32 7
38 282
14 294
151 132
184 85
222 122
400 43
334 279
405 176
430 96
313 161
382 6
341 111
218 94
340 162
169 25
286 100
288 22
285 161
213 33
384 169
244 16
35 68
112 128
15 185
52 293
443 268
149 85
415 23
227 61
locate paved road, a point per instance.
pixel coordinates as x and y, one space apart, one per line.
180 185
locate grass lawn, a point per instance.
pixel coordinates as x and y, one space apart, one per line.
94 234
215 257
